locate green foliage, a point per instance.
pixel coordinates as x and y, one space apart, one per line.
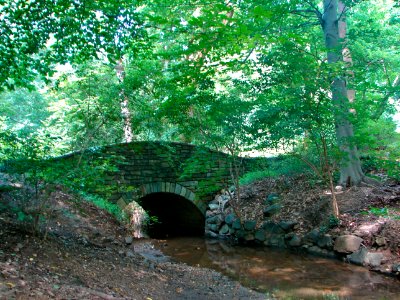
380 147
36 35
332 222
284 165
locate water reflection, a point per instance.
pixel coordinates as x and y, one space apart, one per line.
281 273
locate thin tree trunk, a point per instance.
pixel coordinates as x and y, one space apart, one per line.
124 102
350 169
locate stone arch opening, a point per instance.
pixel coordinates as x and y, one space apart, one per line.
176 215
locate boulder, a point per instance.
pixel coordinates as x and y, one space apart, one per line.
368 229
347 243
374 259
364 257
249 225
272 210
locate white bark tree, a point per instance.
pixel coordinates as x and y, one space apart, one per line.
124 102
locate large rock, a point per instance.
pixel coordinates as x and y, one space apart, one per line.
364 257
347 243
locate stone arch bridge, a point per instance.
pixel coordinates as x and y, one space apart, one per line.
172 181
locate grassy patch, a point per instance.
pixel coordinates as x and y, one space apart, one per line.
277 166
102 203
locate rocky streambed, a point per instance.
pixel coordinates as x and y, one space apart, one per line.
267 215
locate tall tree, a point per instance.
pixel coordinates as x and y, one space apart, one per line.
334 27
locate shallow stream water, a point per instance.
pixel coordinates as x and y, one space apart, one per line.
276 272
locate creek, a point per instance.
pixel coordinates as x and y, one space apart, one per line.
275 271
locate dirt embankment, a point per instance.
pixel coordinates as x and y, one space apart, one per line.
87 255
370 214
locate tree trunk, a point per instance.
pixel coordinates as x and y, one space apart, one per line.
350 167
124 102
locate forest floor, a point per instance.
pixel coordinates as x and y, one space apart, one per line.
87 254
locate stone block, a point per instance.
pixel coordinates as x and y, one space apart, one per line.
178 189
183 192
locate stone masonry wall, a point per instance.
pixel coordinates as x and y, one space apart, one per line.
196 173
